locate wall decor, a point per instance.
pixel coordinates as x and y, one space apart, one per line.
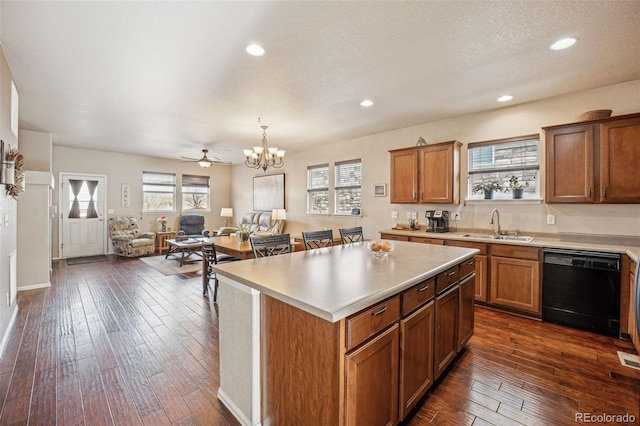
380 190
125 190
15 159
268 192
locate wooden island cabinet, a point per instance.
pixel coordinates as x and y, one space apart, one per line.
318 357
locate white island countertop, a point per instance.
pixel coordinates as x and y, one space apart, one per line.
333 283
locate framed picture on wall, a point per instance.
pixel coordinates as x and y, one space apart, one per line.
380 190
268 192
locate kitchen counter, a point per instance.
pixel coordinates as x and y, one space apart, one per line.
285 318
611 244
333 283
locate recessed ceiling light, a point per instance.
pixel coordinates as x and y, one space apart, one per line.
563 44
505 98
366 103
255 50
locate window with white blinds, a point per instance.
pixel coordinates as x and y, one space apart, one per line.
318 189
158 192
348 186
503 161
195 193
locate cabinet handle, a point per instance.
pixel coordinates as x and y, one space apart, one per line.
420 290
589 191
604 192
470 262
415 195
452 273
380 312
422 196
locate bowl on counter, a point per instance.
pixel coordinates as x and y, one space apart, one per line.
380 249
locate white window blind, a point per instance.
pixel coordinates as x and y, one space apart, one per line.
348 188
500 160
195 192
159 192
318 189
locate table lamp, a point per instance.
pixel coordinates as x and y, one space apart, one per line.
226 212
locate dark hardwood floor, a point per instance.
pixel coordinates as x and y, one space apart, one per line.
119 343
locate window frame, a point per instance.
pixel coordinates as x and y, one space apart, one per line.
338 188
526 169
195 178
314 190
145 192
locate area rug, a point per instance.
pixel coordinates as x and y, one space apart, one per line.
87 259
171 266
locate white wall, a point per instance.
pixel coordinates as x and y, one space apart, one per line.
496 124
127 169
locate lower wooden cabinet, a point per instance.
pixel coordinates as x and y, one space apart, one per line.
632 327
372 381
416 357
481 279
515 283
447 307
466 317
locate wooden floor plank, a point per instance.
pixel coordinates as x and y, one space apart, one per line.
119 343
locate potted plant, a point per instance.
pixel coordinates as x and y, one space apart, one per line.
488 188
517 188
242 232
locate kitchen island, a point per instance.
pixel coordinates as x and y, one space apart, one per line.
314 337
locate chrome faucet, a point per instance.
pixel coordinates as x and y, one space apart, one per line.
496 227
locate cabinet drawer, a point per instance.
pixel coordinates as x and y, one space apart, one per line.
366 323
517 252
426 240
446 279
417 295
394 237
468 244
467 267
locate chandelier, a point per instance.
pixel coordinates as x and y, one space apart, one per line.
263 157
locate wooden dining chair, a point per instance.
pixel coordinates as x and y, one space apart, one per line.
212 258
351 235
270 245
317 239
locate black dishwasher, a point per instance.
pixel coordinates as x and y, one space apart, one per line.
582 289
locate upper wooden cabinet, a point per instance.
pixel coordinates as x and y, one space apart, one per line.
594 162
426 174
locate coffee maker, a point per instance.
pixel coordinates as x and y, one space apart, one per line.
437 220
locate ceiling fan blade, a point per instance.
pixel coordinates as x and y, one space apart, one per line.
189 159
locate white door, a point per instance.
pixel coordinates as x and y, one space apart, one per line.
82 224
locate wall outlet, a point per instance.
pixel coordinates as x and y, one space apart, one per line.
551 219
414 215
455 216
408 215
394 214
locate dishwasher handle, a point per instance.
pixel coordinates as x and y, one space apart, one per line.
581 259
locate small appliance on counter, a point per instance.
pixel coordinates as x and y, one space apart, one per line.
438 220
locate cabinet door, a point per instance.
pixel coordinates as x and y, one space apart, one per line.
404 176
619 155
465 322
372 381
438 171
569 165
515 283
446 331
416 362
481 278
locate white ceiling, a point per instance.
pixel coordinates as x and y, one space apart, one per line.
170 78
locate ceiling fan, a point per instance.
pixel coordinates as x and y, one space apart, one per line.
204 161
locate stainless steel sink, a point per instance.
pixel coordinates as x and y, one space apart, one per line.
521 238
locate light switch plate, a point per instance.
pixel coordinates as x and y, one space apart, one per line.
551 219
394 214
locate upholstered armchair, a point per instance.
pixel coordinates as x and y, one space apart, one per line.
192 226
127 239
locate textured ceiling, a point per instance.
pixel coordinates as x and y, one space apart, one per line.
170 78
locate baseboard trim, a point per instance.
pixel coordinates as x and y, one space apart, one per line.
34 286
239 415
5 337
